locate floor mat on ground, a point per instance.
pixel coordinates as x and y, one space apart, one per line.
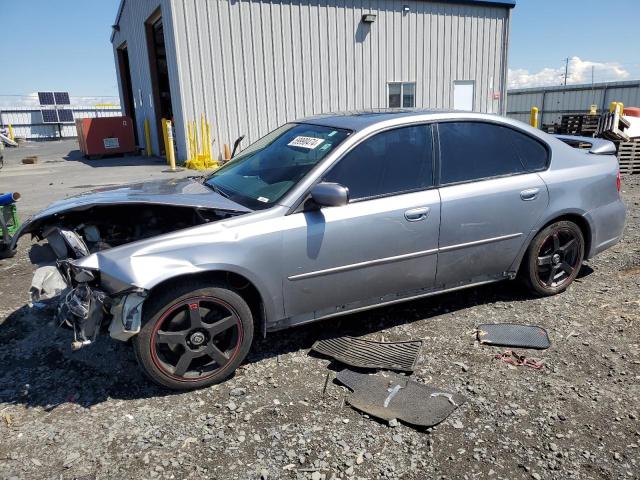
361 353
512 335
389 395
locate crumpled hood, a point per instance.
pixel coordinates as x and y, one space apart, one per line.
185 192
178 192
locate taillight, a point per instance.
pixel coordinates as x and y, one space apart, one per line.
618 181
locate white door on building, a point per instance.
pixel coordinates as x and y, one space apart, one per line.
463 95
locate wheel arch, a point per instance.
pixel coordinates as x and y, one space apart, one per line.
234 281
578 218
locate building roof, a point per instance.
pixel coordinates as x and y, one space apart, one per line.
488 3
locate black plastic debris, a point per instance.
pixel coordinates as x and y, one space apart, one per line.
361 353
512 335
388 396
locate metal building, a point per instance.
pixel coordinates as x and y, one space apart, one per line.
252 65
554 102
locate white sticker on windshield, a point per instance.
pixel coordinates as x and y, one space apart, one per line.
305 142
263 200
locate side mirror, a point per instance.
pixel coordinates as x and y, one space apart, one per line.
327 194
236 144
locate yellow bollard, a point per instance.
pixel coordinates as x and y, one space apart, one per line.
164 137
613 106
11 135
171 154
147 137
227 153
621 108
203 133
533 119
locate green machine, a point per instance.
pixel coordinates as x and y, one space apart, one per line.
9 222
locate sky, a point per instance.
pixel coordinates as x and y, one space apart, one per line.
64 45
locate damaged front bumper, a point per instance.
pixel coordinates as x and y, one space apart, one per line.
84 306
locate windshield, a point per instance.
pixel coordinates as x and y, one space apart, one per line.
266 170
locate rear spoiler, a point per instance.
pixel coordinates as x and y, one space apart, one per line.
597 146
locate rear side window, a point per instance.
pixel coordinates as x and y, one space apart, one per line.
475 150
391 162
533 154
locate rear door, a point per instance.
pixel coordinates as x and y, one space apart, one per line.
491 198
381 244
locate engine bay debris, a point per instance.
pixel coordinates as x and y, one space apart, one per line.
390 395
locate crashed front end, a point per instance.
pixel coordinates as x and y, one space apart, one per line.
83 304
86 244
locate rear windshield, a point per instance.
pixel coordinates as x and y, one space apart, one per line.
266 170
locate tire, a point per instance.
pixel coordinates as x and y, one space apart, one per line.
553 259
193 335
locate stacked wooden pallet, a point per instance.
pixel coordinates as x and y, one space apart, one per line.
629 156
583 125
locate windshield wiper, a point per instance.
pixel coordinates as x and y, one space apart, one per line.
216 189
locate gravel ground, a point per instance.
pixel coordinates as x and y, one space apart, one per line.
91 414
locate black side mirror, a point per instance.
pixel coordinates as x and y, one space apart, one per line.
327 194
236 144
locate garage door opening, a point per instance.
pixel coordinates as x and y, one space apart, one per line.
127 90
159 72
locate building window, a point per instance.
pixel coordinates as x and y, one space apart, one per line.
402 94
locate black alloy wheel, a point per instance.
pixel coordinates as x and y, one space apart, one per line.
554 258
196 339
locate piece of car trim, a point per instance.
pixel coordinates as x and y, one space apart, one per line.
405 256
513 335
390 395
368 263
363 353
480 242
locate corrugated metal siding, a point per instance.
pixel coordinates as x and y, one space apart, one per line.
251 65
27 122
557 101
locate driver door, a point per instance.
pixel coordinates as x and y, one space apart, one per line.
382 244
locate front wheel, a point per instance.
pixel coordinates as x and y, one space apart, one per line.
553 259
193 336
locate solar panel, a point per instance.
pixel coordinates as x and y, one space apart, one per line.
50 116
46 98
65 115
62 98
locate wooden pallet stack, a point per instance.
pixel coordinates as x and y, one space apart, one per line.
583 125
629 156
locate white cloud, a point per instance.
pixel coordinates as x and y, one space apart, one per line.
579 72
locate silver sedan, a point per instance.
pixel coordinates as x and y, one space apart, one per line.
322 217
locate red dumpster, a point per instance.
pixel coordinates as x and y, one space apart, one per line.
105 136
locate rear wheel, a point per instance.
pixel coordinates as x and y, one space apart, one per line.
194 336
553 259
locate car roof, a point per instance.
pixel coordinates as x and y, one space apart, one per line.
361 119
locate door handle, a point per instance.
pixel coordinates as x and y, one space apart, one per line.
529 194
417 214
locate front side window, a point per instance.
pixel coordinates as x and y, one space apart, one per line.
402 94
391 162
266 170
477 150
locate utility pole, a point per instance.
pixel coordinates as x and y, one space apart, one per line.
566 70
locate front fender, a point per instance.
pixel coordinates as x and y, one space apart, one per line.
148 263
